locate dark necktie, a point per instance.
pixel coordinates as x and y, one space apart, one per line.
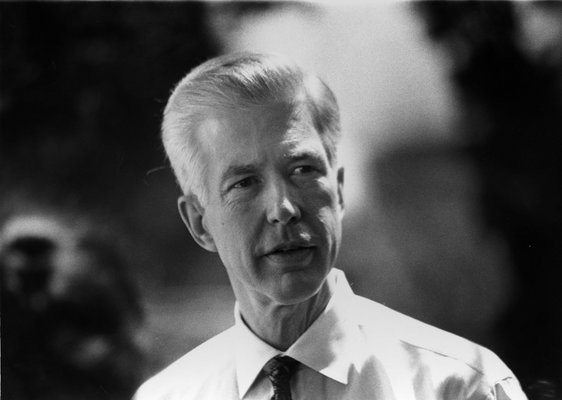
279 371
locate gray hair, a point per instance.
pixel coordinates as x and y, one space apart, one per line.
232 82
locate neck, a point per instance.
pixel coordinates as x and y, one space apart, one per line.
281 325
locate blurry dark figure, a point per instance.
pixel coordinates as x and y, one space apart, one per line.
69 315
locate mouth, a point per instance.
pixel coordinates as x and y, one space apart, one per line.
291 253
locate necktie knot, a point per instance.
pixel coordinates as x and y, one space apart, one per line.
279 371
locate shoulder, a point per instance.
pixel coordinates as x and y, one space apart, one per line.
442 355
191 375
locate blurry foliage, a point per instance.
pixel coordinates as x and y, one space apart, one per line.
513 122
83 86
82 90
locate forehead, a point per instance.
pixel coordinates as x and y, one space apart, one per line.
256 138
256 128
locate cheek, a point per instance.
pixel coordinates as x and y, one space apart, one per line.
232 231
328 212
323 196
329 217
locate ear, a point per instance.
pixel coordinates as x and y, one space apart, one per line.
193 216
340 189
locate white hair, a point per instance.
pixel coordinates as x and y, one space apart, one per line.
234 82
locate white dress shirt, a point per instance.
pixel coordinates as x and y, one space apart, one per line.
356 349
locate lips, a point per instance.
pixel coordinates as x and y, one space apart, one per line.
291 253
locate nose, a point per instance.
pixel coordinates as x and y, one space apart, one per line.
282 206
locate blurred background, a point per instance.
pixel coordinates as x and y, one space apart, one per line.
452 117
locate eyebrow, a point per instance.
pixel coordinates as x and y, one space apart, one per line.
303 155
236 170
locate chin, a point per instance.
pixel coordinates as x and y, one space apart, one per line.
297 291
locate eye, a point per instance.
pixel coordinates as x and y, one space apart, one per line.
244 183
304 170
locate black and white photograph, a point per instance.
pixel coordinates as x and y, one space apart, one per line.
285 200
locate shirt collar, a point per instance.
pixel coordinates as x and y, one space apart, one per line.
328 346
251 353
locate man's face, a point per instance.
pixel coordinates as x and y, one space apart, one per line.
274 204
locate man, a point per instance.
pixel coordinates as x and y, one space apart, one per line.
252 140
